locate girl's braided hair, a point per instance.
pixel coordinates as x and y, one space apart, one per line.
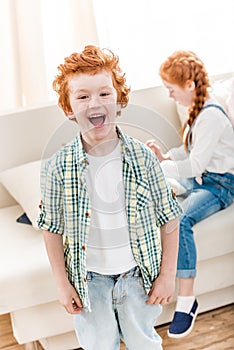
178 69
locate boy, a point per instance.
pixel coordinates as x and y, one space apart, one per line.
104 196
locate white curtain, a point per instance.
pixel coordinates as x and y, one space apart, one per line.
35 36
145 32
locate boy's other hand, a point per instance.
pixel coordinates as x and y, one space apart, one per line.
162 290
69 299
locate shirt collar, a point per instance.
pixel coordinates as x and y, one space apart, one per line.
124 139
81 155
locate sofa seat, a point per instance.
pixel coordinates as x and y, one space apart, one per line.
35 311
29 273
36 298
213 235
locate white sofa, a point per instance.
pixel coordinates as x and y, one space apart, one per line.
27 287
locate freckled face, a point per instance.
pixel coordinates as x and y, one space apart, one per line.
93 100
184 96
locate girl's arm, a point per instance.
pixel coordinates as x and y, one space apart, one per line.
206 135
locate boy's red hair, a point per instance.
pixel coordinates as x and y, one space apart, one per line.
91 60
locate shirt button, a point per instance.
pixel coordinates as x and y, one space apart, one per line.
173 193
87 214
83 247
85 279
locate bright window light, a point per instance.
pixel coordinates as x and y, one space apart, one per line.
144 33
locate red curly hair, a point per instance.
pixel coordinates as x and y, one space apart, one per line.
91 60
180 67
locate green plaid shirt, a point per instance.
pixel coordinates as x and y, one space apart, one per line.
66 207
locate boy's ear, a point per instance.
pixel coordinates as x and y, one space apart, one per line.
70 115
190 85
119 108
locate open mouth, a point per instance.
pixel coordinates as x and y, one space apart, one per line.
97 120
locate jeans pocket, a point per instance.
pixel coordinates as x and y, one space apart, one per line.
140 281
221 185
89 276
226 198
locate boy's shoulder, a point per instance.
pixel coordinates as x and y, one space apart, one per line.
136 145
138 154
67 153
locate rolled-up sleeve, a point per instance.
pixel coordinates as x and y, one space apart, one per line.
178 153
166 204
51 216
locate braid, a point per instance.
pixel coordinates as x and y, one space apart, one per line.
178 69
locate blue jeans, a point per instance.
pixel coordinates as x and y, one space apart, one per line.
118 312
215 193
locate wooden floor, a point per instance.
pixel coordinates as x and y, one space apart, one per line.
213 330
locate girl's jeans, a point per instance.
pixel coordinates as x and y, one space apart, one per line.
118 312
215 193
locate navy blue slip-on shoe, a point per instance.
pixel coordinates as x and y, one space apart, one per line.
182 323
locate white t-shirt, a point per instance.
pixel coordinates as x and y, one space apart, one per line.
108 249
212 147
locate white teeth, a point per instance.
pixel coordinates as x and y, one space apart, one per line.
96 116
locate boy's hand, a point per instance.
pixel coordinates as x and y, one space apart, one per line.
162 290
69 298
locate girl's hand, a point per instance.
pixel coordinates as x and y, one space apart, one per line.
152 144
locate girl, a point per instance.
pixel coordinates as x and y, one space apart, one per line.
204 166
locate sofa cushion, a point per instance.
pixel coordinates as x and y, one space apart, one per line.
214 235
24 265
222 90
23 183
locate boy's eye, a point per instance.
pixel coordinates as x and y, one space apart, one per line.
83 97
103 94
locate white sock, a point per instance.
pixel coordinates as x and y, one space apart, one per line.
184 303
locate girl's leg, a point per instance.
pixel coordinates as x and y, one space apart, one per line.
200 204
186 286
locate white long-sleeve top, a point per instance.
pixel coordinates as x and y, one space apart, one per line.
212 147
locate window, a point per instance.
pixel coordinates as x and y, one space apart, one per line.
144 33
37 35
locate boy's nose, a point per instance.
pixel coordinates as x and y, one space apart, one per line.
94 101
